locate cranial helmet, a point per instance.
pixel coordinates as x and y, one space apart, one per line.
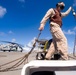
61 5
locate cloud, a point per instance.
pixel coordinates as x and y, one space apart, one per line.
2 11
10 32
74 4
75 28
13 40
69 32
2 34
22 1
29 45
27 49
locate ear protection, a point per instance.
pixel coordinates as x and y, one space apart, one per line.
61 5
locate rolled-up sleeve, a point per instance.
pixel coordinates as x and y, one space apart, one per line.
46 17
63 14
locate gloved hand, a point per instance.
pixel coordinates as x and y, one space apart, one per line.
73 11
41 28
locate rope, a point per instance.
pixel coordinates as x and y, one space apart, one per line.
21 59
10 62
6 69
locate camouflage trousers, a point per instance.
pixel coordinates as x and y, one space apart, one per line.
59 43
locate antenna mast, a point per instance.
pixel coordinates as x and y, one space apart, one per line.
74 46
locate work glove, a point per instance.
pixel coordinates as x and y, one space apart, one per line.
73 11
41 28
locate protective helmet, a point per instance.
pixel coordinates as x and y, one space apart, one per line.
61 5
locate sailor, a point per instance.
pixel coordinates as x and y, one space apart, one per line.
59 40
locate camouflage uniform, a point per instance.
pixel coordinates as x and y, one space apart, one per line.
59 44
59 39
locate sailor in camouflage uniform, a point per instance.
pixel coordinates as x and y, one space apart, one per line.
59 40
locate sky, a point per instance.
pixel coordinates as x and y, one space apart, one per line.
20 20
